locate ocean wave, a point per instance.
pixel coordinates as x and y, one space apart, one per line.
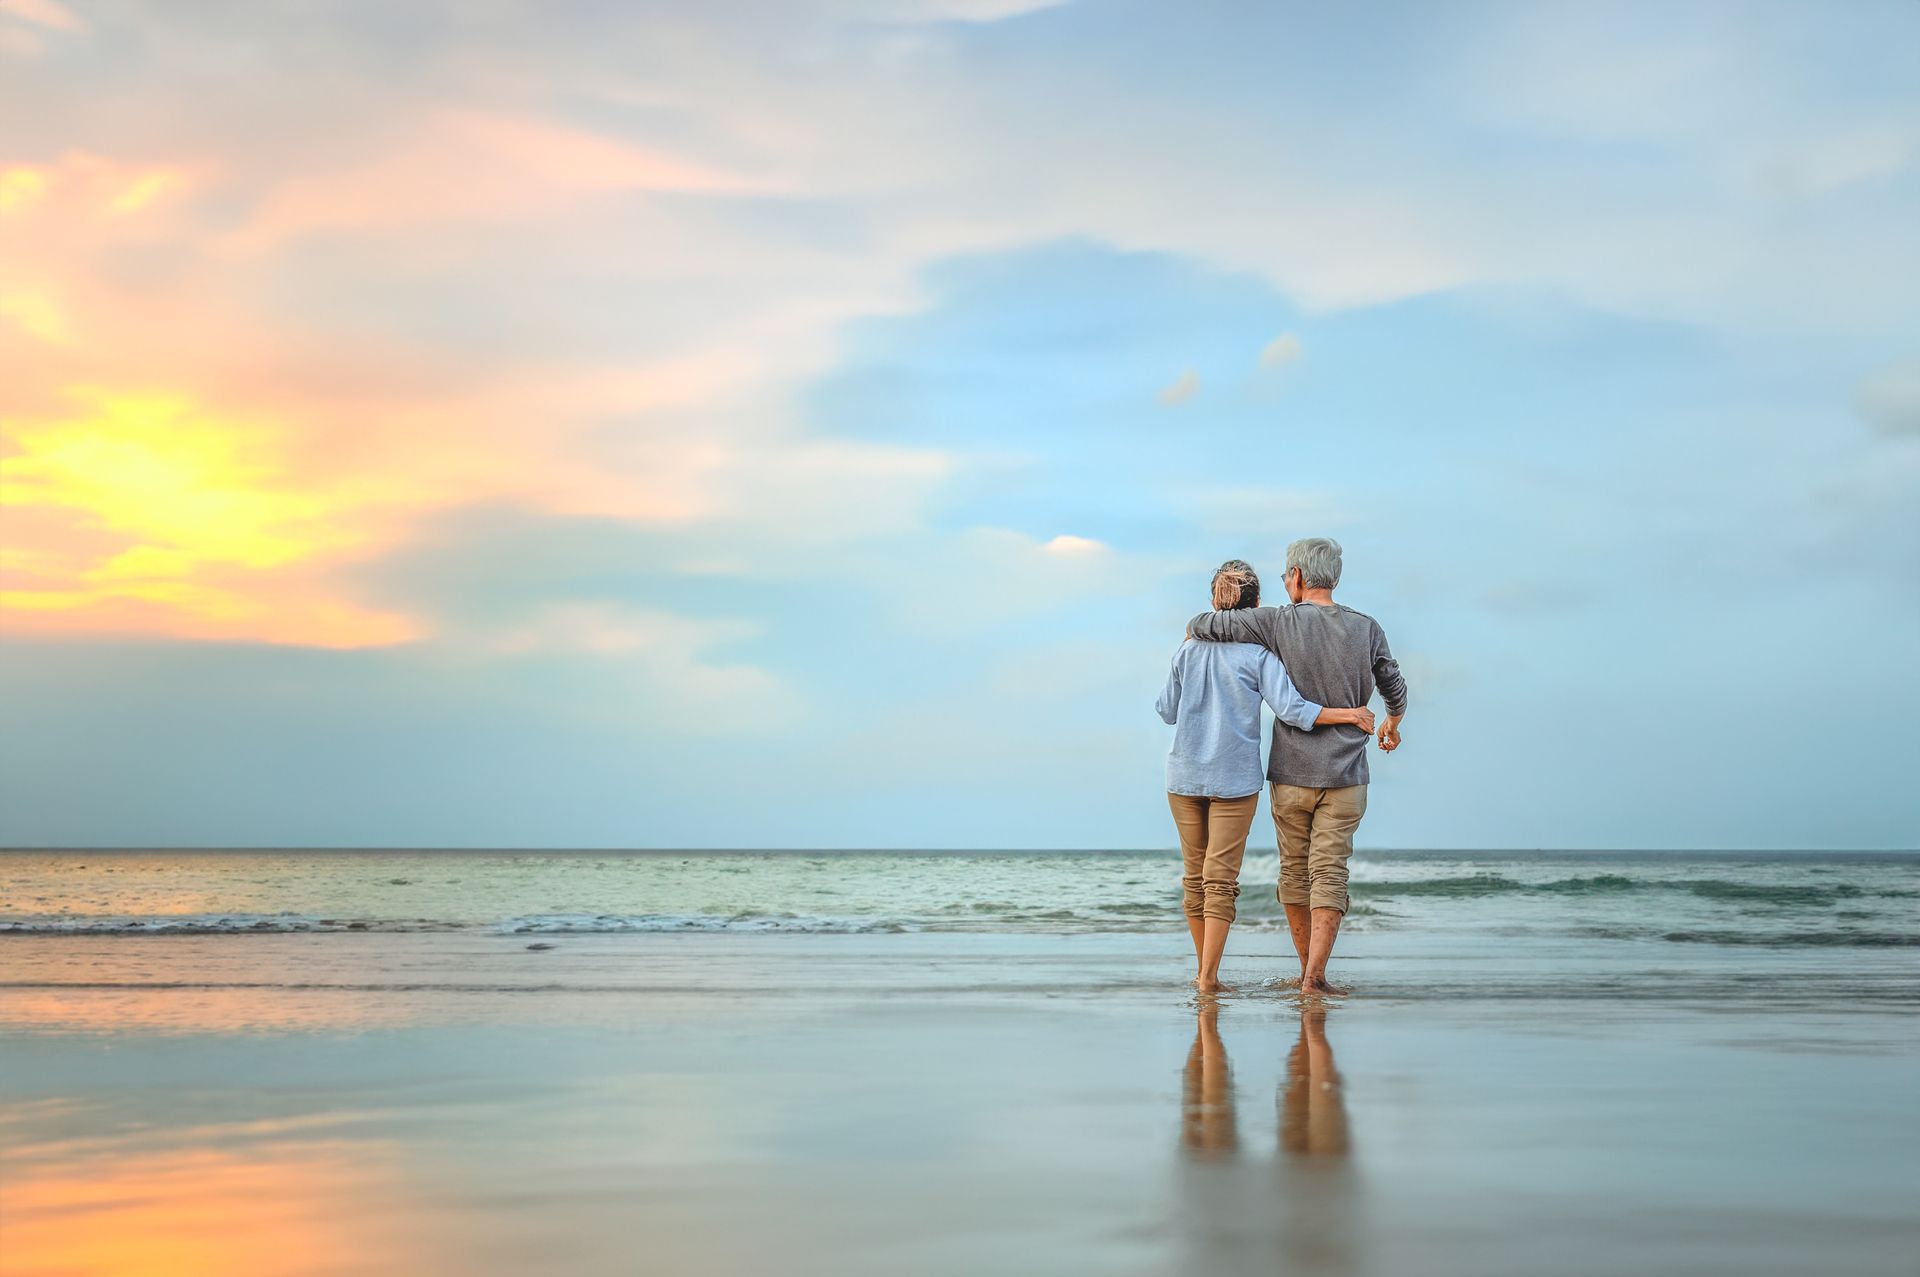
1491 884
1123 918
206 924
1794 939
614 924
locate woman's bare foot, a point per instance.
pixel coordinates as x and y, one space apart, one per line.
1204 985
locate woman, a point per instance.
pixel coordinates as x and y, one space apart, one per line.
1212 698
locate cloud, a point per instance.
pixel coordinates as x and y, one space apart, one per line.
1263 518
590 275
1181 389
1890 400
44 13
1283 349
940 10
644 661
81 184
151 514
18 42
37 315
165 419
1821 165
460 165
986 577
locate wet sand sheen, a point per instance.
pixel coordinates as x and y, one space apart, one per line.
937 1104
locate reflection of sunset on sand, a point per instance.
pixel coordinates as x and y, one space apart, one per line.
201 1011
270 1209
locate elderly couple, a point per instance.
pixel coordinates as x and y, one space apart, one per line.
1299 659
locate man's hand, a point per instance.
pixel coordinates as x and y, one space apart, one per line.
1390 733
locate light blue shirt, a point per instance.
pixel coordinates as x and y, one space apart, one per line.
1212 698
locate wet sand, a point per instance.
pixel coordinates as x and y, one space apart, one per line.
939 1104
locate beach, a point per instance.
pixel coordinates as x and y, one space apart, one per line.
868 1093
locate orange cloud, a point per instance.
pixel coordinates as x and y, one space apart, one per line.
459 166
44 13
221 507
37 315
55 217
81 182
189 450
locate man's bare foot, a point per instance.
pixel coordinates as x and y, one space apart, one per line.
1319 984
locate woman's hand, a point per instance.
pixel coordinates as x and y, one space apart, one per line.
1362 717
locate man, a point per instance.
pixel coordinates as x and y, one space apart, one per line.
1335 656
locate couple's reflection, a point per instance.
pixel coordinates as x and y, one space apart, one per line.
1313 1108
1207 1128
1303 1216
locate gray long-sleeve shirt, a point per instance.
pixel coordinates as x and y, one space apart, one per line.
1335 656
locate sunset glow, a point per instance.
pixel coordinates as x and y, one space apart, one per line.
163 505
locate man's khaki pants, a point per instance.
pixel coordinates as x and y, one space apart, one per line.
1316 837
1213 838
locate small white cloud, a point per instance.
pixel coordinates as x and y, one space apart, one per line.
1185 387
986 577
1890 400
1283 349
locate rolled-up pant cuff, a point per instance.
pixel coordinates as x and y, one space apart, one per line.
1317 896
1210 899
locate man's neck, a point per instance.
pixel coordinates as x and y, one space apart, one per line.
1321 598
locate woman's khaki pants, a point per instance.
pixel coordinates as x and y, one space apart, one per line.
1213 838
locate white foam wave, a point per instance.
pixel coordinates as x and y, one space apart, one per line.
596 924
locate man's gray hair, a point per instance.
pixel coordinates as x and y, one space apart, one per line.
1318 559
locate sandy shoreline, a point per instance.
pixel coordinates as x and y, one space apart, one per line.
282 1105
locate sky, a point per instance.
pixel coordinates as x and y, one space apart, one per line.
810 423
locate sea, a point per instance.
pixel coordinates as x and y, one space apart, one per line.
1758 900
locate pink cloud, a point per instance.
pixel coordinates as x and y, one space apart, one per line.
464 165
